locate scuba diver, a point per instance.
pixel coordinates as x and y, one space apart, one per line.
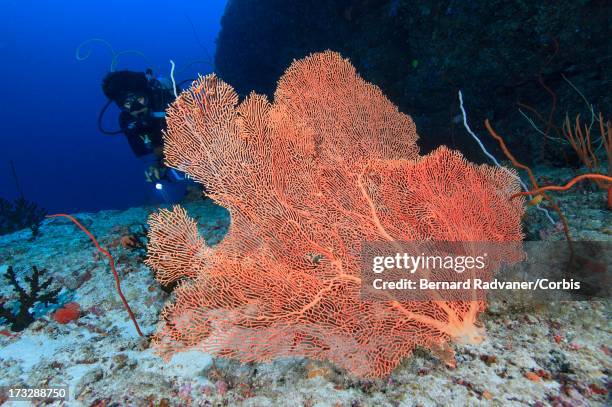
142 99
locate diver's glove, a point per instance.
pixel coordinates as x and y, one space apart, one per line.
155 173
158 172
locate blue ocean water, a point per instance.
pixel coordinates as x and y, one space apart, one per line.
51 100
102 303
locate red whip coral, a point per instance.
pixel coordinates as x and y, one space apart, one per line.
308 179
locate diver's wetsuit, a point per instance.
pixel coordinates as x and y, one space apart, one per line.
144 133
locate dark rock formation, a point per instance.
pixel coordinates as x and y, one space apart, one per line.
500 53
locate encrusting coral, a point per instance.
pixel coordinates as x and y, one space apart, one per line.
308 179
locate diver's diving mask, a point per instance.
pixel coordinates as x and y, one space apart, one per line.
134 103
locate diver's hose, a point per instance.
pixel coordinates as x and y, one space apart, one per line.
101 117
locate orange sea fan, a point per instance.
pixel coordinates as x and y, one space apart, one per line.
329 165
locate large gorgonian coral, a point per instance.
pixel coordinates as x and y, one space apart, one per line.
308 179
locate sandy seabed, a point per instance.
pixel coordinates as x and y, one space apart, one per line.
554 355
